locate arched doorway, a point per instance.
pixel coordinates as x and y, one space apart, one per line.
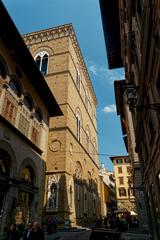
5 162
26 193
78 191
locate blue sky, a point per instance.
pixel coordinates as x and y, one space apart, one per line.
33 15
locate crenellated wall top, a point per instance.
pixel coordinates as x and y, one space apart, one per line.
56 33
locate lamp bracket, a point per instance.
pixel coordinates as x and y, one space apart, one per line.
152 106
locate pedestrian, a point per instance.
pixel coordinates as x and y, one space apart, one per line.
28 232
106 222
128 220
50 225
55 223
13 233
99 222
37 233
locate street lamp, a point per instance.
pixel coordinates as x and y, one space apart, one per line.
131 93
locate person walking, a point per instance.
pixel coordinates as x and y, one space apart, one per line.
50 225
98 222
13 233
55 223
37 233
28 232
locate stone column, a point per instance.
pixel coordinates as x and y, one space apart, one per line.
2 96
9 208
18 113
31 125
42 139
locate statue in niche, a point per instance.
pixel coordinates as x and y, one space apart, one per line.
52 191
53 196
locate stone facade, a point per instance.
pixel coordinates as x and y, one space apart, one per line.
108 191
136 173
24 129
140 43
129 136
72 185
124 192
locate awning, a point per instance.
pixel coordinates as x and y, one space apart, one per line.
123 210
133 213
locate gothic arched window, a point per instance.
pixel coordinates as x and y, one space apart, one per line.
78 119
14 85
38 115
28 103
86 99
87 140
41 61
38 61
78 79
78 170
94 151
44 65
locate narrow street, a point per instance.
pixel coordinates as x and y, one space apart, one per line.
68 235
85 235
80 120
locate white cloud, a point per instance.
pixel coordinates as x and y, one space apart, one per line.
103 72
93 69
110 108
113 75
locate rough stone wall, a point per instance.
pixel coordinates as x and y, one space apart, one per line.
64 149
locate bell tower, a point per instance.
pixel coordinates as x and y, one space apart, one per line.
72 188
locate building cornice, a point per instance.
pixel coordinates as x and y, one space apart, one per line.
56 33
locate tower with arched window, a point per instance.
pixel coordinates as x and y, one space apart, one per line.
71 192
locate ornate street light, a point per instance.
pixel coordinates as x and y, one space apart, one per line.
131 93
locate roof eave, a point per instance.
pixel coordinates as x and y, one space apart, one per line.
111 27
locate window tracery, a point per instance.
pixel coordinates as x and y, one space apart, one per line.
78 119
41 60
78 78
78 170
87 140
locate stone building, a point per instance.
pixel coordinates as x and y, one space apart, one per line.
138 44
124 193
72 187
129 140
108 191
24 129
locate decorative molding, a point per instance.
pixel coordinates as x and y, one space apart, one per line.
55 145
56 33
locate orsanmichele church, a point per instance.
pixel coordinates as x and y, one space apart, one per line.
72 185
